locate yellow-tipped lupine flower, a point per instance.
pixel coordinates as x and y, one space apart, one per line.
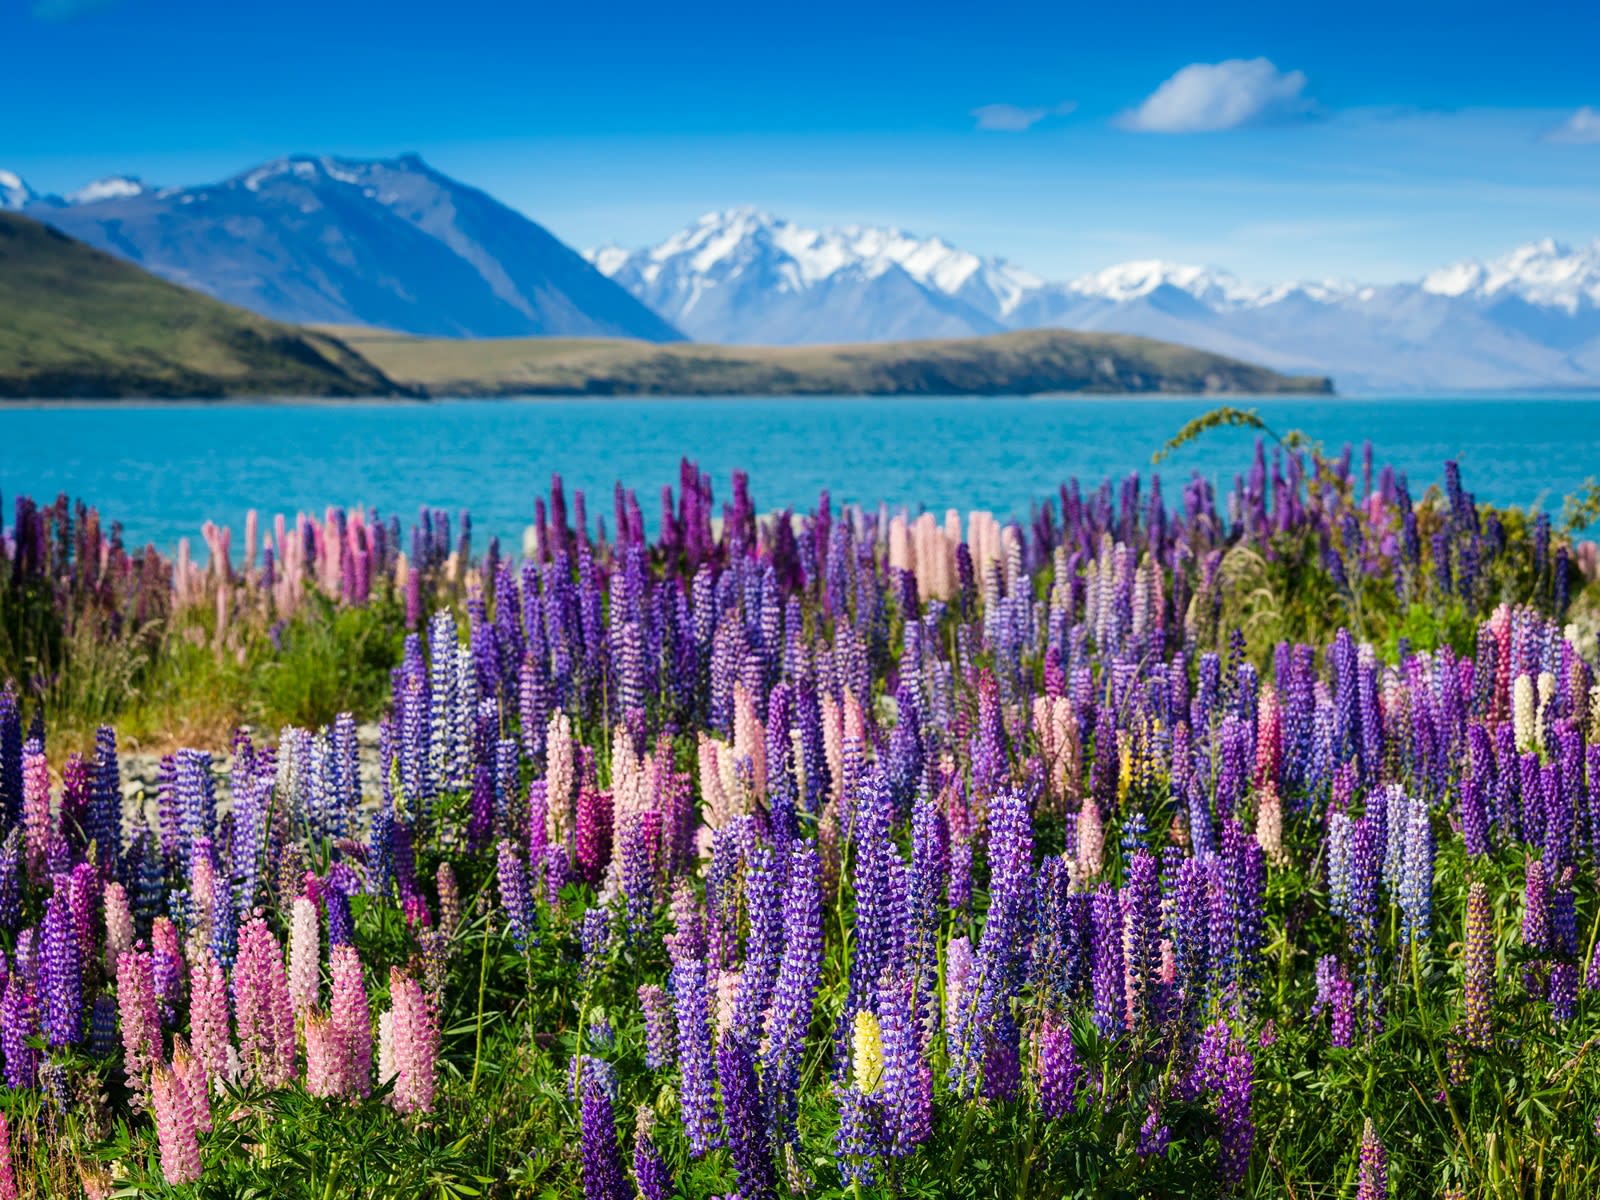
867 1053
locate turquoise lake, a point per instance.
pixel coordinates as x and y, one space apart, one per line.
164 469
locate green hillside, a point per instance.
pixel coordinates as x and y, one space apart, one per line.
1037 361
78 323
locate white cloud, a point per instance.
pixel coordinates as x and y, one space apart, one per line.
1012 118
1208 97
1582 126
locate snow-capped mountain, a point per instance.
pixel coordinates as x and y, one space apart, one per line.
112 187
1528 319
389 243
14 192
745 276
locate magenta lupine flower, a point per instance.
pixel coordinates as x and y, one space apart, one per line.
175 1128
208 1018
1373 1179
262 1009
602 1158
352 1021
744 1124
593 838
305 956
659 1046
415 1030
8 1178
1059 1073
138 1011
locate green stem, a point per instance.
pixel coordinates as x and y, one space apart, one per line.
483 984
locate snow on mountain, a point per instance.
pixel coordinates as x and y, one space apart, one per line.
391 243
14 191
1530 318
1544 273
113 187
744 275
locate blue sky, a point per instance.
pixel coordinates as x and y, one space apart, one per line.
1361 140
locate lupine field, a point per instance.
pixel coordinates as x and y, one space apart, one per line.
1165 842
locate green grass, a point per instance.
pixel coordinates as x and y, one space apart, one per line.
76 322
1037 361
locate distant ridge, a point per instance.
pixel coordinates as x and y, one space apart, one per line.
78 323
1028 363
1530 318
391 243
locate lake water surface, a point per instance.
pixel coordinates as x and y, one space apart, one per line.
164 469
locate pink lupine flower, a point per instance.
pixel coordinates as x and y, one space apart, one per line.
139 1018
37 829
8 1178
191 1072
208 1018
261 1003
415 1033
352 1020
305 953
325 1066
119 924
175 1128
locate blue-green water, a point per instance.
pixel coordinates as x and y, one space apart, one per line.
163 470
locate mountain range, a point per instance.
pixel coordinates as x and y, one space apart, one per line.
1529 319
397 245
389 243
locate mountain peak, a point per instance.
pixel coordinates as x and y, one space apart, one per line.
112 187
1545 272
14 191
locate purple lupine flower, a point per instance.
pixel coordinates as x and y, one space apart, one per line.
61 963
602 1158
1234 1115
660 1048
19 1021
1106 958
763 947
1141 934
1154 1135
1479 966
794 994
1373 1178
1414 892
1059 1073
515 893
1535 922
1000 958
907 1080
860 1139
594 940
743 1122
692 1004
650 1171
